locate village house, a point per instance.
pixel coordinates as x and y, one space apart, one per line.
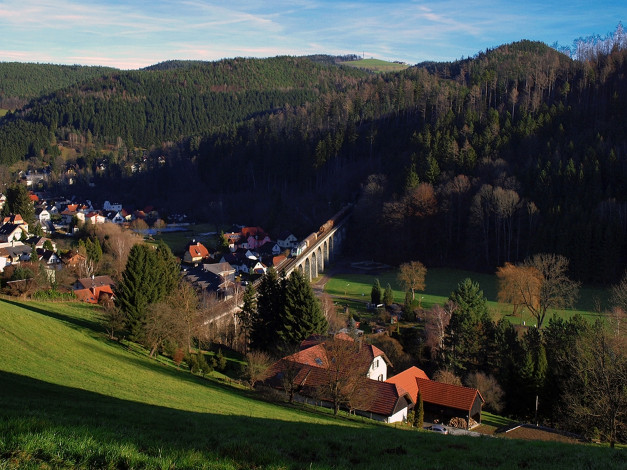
12 232
374 398
95 217
73 259
215 277
195 253
94 289
39 242
287 240
13 254
44 218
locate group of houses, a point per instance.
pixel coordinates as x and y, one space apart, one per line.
251 253
18 245
313 371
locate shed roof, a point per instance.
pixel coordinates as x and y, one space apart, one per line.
451 396
407 380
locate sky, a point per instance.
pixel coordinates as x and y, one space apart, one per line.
131 34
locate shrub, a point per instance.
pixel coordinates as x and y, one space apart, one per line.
220 361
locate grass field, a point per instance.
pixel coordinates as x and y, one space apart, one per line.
203 233
376 65
3 112
70 398
440 282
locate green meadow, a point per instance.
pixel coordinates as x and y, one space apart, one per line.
3 112
376 65
71 398
354 289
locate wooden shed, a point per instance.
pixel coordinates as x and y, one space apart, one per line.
445 401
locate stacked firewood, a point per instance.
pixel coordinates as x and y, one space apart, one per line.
457 423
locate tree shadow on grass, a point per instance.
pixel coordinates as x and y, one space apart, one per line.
123 433
44 424
76 322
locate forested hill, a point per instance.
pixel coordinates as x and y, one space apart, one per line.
473 163
20 82
173 101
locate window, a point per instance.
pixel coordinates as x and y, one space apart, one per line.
380 378
376 363
318 361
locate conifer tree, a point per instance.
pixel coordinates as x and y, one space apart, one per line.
248 312
18 202
375 292
388 295
301 315
149 276
419 416
269 304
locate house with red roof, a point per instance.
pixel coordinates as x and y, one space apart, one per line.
407 380
445 401
361 378
94 289
195 253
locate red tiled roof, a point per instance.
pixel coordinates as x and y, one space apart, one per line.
198 250
95 282
278 260
376 397
407 380
252 232
451 396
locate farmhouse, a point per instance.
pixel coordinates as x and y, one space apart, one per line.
358 369
94 289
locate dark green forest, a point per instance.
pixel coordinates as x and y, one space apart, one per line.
517 150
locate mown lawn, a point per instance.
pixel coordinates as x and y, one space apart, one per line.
440 282
70 398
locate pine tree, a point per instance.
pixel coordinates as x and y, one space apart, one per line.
375 292
388 295
269 304
18 202
419 416
248 312
301 315
150 275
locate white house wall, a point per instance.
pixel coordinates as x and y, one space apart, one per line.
378 369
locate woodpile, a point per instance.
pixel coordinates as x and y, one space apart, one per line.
457 423
461 423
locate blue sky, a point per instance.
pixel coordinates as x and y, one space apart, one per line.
137 33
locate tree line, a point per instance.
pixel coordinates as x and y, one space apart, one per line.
472 163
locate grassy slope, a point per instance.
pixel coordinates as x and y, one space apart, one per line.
70 398
440 282
376 65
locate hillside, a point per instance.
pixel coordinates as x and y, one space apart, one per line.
376 65
23 82
472 163
71 398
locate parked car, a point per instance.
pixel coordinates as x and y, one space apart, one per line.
437 428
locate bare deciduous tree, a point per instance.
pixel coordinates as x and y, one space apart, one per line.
343 378
256 368
329 309
446 377
412 276
539 284
597 395
489 388
436 321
